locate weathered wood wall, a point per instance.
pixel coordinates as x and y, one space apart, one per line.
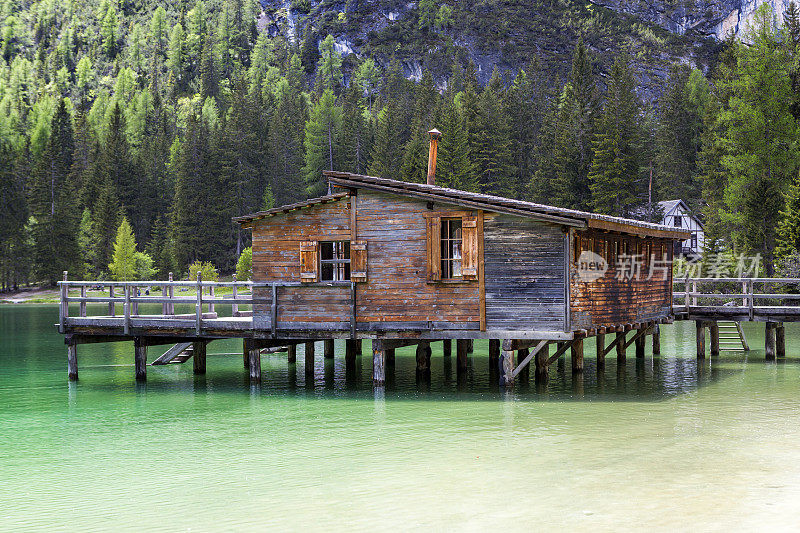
525 271
276 257
397 289
621 295
397 294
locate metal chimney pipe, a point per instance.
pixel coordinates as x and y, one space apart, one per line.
432 154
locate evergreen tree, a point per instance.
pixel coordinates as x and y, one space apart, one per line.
678 140
415 156
53 202
495 160
287 135
525 106
356 135
123 264
761 138
572 157
322 142
454 167
615 164
329 68
209 81
788 233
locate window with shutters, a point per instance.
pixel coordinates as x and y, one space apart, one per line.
334 261
452 247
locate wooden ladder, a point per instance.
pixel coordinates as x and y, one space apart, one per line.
180 353
732 338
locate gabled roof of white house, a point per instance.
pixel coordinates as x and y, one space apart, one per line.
669 206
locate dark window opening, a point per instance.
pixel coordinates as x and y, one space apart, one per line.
678 221
451 248
334 261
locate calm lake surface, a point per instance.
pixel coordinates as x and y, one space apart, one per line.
657 445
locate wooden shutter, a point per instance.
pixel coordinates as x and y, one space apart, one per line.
434 248
309 270
469 247
358 261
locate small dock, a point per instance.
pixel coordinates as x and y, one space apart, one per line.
714 304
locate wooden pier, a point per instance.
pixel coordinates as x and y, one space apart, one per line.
713 303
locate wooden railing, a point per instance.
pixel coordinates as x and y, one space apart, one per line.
736 293
205 300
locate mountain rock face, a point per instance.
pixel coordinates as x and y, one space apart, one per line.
717 19
509 34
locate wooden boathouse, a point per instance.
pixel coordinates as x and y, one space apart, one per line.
409 264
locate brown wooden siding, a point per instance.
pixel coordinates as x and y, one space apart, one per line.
611 299
276 257
397 289
524 261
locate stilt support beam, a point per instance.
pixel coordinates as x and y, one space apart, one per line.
657 340
199 357
494 353
291 352
600 350
140 358
423 357
462 353
713 329
769 341
72 361
253 360
378 364
701 339
328 348
309 358
576 355
780 340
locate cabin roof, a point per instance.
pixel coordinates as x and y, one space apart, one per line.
546 213
291 207
669 206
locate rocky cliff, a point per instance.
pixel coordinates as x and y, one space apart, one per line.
508 34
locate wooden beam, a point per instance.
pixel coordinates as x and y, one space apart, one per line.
713 329
621 346
328 348
291 352
171 354
506 366
309 356
600 350
254 360
447 347
423 353
561 350
199 357
533 353
640 345
700 334
462 354
481 274
494 354
769 341
140 359
72 362
378 364
780 341
576 355
657 340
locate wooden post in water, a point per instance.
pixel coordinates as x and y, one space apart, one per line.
359 349
780 340
140 358
328 348
291 352
657 340
447 347
576 355
620 348
378 364
470 346
494 353
72 361
640 345
713 330
542 358
309 358
390 357
701 339
423 354
462 353
506 366
524 373
350 355
199 357
769 341
600 350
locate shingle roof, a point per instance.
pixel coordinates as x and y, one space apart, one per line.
487 202
291 207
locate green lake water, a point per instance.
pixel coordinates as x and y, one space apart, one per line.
664 445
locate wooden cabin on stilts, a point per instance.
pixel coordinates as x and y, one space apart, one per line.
409 264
